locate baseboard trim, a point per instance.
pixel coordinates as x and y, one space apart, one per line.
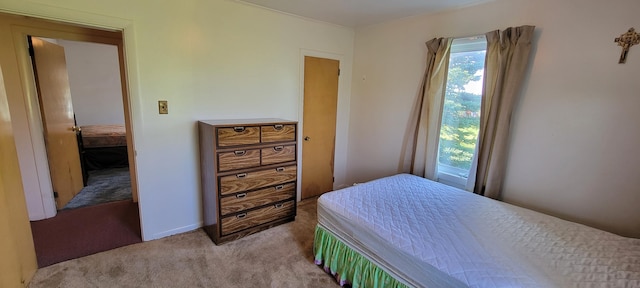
175 231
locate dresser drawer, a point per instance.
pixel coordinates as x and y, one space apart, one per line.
238 135
256 179
238 159
278 133
278 154
248 200
256 217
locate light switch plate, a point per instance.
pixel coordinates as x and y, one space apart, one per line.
163 107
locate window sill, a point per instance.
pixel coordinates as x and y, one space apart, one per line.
452 180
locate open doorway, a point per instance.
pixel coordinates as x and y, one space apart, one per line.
78 86
82 115
61 233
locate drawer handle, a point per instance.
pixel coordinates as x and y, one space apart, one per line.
278 126
240 153
238 129
278 148
280 169
279 187
279 205
241 175
241 195
240 216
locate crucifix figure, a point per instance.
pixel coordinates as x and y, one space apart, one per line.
627 40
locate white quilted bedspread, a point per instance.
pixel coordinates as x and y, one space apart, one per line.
483 242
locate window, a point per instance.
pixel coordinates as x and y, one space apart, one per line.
461 110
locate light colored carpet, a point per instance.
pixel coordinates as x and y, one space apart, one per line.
278 257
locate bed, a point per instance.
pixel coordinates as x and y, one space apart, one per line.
103 146
407 231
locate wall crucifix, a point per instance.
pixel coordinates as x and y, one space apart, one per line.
627 40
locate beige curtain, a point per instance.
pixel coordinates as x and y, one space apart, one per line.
427 130
506 62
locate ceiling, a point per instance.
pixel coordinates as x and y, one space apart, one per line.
354 13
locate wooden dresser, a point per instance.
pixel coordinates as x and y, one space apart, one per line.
248 175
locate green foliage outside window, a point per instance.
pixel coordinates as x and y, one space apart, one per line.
461 110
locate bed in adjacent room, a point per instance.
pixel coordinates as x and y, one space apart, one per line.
405 230
103 146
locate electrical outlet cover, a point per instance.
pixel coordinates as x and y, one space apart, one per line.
163 107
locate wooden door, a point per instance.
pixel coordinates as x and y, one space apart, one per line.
319 121
16 245
52 83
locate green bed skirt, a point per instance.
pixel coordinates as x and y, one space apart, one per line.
346 265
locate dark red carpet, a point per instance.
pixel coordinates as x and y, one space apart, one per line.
84 231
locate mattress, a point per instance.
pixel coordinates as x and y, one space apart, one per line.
427 234
98 136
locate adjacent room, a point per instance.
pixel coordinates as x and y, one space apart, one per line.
216 91
84 100
92 208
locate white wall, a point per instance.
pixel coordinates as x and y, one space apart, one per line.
94 76
575 129
209 59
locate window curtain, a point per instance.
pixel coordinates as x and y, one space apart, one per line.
425 145
506 62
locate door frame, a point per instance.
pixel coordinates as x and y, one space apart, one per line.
342 119
68 30
35 125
